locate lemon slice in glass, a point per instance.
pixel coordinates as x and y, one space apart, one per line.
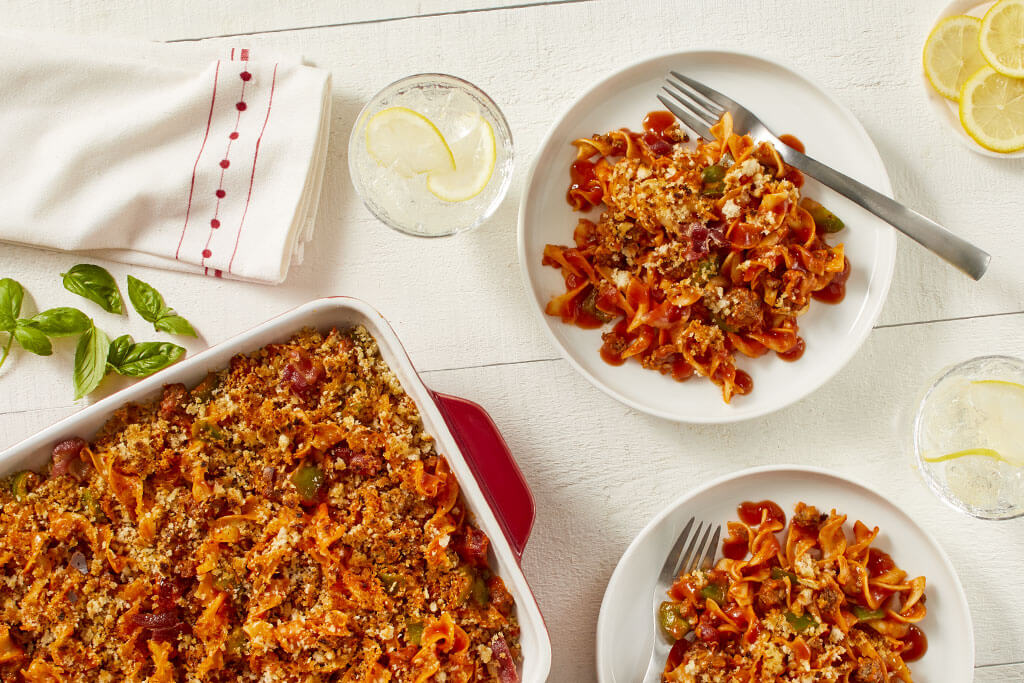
475 156
407 142
1002 37
951 54
992 110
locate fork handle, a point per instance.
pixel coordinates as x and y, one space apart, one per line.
926 232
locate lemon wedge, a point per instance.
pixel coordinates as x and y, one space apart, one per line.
475 156
407 142
951 54
1002 37
992 110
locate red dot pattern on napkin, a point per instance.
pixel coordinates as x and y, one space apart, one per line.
225 163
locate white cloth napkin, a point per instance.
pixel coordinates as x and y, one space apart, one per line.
198 159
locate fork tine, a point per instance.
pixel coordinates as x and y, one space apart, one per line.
690 103
684 559
689 120
668 569
695 560
710 93
703 102
709 555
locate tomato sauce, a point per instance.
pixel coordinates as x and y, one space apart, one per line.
750 513
917 645
835 291
735 549
794 353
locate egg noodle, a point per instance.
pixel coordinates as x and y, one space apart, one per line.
700 251
815 606
286 520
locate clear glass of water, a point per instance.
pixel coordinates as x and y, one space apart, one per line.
405 203
969 437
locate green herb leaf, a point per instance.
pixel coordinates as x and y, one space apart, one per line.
11 295
118 350
95 284
31 339
145 358
175 324
150 305
60 322
90 361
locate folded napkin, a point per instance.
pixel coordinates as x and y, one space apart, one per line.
172 156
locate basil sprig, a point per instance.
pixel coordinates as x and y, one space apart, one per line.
90 360
95 354
95 284
33 334
150 305
142 359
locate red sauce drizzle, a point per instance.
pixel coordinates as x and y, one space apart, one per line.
583 181
750 513
656 124
878 563
792 141
835 291
734 549
793 175
744 383
916 644
795 352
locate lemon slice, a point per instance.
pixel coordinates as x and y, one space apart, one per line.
992 110
407 142
475 156
951 54
1002 37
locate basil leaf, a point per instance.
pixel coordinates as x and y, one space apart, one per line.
145 358
6 323
90 361
150 305
118 350
60 322
175 324
95 284
11 295
31 339
146 300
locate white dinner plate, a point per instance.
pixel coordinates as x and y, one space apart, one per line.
788 103
625 627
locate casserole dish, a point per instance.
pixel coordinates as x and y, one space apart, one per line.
492 485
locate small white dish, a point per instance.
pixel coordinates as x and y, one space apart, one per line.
789 104
947 111
625 627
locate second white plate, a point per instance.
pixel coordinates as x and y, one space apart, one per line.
625 627
789 104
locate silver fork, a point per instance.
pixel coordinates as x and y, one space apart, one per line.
698 554
699 107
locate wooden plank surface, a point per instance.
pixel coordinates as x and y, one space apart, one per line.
599 470
158 20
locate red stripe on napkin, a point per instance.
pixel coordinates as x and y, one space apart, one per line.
255 156
192 185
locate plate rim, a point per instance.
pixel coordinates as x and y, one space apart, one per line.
683 499
886 267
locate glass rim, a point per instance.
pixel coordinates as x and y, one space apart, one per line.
505 134
922 466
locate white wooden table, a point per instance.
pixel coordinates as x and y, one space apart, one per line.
599 470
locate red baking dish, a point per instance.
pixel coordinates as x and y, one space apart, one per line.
490 480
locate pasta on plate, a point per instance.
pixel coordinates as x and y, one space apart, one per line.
286 520
816 606
700 251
